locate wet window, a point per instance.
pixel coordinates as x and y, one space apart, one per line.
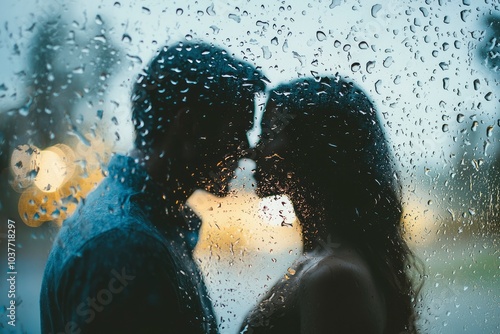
314 125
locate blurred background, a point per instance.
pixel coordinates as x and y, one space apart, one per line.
431 68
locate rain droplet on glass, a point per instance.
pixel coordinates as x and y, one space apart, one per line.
464 14
489 131
235 18
260 23
126 38
266 53
397 80
215 29
446 83
284 48
388 62
100 38
210 10
78 70
321 36
363 45
375 9
370 66
378 86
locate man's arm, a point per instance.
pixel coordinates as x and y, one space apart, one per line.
122 281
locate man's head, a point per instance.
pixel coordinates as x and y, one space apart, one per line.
193 105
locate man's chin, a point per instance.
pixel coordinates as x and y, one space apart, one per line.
265 190
219 186
217 189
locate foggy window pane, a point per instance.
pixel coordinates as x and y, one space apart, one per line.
430 70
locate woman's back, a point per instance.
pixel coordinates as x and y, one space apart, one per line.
330 290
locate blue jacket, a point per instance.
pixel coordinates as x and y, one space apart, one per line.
121 265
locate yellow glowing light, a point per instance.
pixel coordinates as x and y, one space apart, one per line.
55 167
243 223
419 221
51 182
67 155
245 244
35 207
28 210
23 164
52 171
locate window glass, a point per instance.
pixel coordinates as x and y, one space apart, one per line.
431 69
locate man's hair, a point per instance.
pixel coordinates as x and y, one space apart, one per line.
200 77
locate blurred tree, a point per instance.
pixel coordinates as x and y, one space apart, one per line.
67 66
489 50
487 178
488 53
471 186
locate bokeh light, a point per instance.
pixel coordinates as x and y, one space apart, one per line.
54 180
54 168
23 165
236 224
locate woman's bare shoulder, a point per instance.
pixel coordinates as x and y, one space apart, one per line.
340 292
278 309
323 291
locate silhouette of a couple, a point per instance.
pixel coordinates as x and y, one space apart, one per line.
123 262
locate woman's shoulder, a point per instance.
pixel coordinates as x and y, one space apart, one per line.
340 292
342 263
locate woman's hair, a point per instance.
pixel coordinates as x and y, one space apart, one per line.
337 146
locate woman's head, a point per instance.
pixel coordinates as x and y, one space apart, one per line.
323 137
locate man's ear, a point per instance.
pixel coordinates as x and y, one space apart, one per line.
182 123
184 131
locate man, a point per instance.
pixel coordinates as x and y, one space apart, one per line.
123 262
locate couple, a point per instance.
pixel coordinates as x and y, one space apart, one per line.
123 262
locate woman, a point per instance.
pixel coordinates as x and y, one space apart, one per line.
323 146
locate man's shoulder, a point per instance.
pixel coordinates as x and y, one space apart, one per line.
107 215
100 212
